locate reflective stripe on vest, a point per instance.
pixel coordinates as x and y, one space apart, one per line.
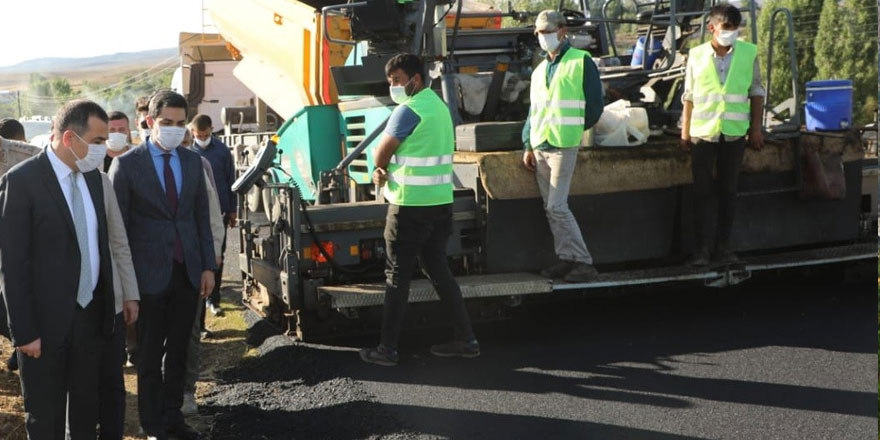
420 171
721 109
558 111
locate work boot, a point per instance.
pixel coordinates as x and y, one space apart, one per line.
381 355
457 349
723 255
182 431
558 270
700 258
12 362
581 273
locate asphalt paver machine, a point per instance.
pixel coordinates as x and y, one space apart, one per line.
312 251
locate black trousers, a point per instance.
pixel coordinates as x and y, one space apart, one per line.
164 327
62 384
725 157
418 235
112 385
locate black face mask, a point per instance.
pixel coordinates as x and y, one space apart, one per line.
144 125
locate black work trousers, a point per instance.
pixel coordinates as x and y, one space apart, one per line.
112 386
417 235
61 386
723 158
164 328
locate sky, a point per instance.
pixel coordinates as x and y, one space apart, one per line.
83 28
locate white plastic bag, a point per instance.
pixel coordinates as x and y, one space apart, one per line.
622 126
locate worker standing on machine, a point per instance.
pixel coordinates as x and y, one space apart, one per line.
723 101
566 97
414 159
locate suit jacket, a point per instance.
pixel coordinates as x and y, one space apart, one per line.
218 229
13 152
124 280
39 253
152 227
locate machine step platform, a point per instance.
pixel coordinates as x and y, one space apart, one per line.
518 284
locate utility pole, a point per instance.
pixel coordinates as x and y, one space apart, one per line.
18 98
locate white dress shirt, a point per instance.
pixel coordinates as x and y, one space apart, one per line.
64 175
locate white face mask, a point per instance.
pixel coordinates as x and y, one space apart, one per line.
117 142
169 137
202 143
727 38
398 93
94 158
549 42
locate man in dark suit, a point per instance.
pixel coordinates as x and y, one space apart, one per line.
56 273
164 204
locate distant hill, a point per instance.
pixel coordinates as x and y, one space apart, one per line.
115 61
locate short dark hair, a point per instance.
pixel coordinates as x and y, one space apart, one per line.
75 116
166 98
11 129
409 63
117 115
202 122
142 105
725 13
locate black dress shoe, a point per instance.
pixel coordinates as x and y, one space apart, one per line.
182 431
12 362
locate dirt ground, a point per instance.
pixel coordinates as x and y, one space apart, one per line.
224 350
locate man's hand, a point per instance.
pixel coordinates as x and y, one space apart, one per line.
207 283
233 219
756 139
529 160
34 349
685 143
380 176
130 312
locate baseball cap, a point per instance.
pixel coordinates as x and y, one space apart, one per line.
549 20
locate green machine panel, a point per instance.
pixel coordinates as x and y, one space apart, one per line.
310 142
360 118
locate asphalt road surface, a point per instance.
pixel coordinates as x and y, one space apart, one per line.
785 360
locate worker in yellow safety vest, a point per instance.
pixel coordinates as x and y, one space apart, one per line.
723 100
413 160
566 99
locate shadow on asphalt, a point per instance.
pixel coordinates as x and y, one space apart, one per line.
617 349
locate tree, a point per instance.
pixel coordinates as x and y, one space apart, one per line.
846 49
806 13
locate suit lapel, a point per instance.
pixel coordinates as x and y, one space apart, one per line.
153 179
54 188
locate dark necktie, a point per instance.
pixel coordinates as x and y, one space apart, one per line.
171 193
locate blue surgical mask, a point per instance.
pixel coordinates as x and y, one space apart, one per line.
398 93
169 137
94 158
727 38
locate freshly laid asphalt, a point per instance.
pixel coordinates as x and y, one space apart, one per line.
785 359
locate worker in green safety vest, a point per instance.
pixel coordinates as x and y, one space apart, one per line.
566 99
413 161
723 100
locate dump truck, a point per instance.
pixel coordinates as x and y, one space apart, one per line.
311 222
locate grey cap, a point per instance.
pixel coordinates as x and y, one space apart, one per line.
549 20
